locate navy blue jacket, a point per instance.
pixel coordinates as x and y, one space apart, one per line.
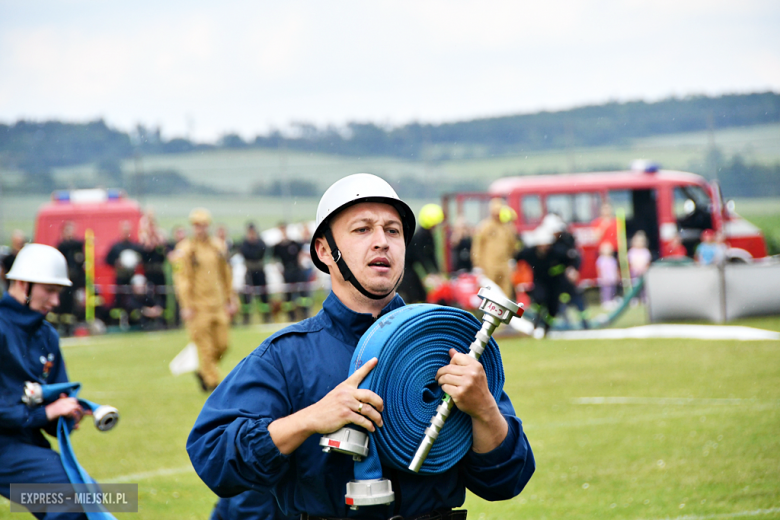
232 451
29 351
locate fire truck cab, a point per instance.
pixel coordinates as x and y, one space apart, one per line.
98 210
662 203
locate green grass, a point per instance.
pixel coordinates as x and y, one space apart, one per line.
599 461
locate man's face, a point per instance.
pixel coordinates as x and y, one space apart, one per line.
126 230
201 230
68 231
45 297
371 239
17 241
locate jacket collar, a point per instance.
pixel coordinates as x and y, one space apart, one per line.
19 314
349 325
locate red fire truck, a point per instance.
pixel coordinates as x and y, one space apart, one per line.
102 212
662 203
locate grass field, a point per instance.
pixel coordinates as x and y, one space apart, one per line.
695 435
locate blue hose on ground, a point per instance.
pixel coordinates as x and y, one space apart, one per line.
76 474
411 344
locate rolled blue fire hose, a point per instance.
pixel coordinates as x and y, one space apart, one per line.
76 474
411 344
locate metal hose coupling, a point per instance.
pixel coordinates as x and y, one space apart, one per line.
106 417
496 309
349 441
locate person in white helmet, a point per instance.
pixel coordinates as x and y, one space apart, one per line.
29 351
260 429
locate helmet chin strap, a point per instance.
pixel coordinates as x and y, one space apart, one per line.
347 273
29 292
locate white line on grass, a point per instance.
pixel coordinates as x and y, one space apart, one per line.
631 419
162 472
703 332
756 512
663 401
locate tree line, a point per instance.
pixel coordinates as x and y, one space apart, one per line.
36 147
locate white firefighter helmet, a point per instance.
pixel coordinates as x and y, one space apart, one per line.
554 223
353 189
39 263
129 259
542 237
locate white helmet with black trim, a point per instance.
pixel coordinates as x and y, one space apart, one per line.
351 190
39 263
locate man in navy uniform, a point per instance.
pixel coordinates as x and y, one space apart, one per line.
261 427
30 351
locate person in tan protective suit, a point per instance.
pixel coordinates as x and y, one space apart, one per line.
492 247
202 277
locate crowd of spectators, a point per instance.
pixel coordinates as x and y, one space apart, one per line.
543 266
143 295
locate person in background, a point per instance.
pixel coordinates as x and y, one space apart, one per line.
30 351
73 251
288 252
145 309
153 248
124 257
460 245
605 226
306 302
545 293
223 235
565 270
253 250
639 256
608 274
17 243
203 283
639 260
173 256
675 248
421 255
492 248
709 252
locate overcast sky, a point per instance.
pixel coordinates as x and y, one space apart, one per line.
204 68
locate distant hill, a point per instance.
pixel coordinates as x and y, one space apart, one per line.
599 125
421 152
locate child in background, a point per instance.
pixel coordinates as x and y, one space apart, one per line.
608 273
639 258
709 251
675 247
